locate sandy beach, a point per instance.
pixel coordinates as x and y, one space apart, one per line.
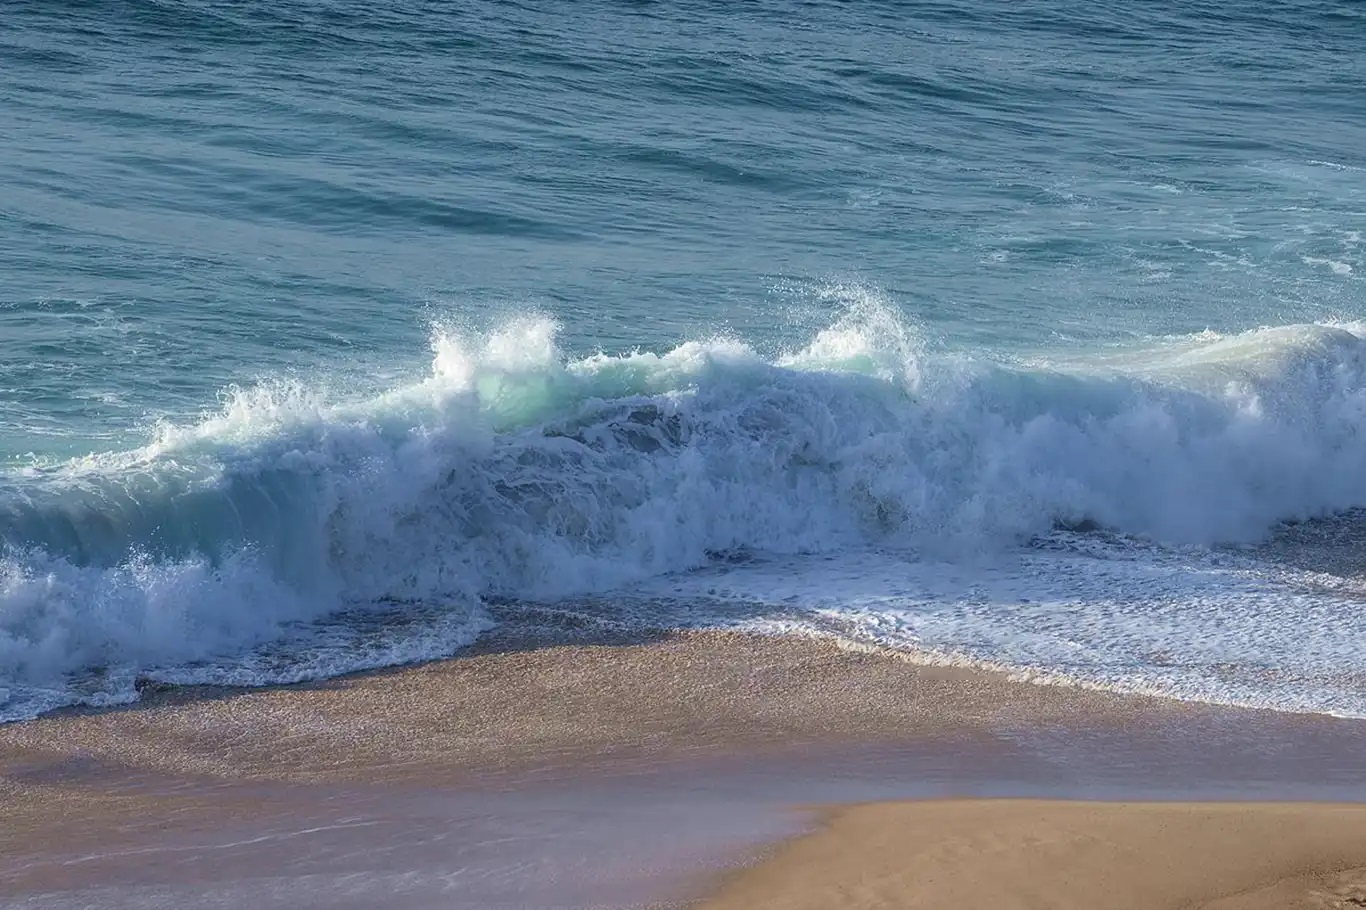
630 772
1018 854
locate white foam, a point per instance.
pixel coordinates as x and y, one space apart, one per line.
1110 613
1336 266
514 471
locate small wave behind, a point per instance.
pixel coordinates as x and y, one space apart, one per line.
293 534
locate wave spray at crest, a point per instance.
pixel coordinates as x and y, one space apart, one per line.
218 551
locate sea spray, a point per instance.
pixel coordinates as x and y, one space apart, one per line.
513 471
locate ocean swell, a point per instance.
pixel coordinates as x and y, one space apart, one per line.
513 471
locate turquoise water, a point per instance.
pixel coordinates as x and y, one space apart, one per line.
323 327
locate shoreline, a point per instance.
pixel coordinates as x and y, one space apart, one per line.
682 755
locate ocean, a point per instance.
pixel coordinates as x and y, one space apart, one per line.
334 335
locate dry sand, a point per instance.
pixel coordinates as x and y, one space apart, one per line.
99 807
1008 854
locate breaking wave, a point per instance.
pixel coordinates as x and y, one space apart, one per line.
513 471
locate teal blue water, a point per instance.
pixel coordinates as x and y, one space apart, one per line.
312 309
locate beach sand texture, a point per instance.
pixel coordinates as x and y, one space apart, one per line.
532 774
1010 854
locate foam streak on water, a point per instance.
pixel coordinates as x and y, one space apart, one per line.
291 536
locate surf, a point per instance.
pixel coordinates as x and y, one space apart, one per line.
514 471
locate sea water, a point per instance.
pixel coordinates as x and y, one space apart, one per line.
1030 335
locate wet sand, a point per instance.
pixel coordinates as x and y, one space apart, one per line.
605 773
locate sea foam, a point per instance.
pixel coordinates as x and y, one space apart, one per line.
224 549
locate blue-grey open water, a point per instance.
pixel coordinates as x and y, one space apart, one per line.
1027 334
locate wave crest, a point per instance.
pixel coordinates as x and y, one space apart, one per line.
515 471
